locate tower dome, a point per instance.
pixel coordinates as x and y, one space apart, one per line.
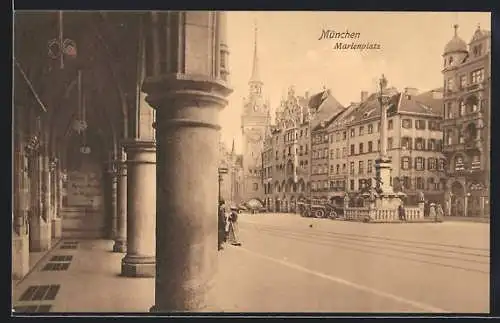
456 44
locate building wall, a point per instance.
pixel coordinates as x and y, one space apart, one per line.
467 104
319 164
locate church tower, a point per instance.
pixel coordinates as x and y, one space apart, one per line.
254 121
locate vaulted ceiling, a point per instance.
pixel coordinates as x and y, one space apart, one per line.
107 52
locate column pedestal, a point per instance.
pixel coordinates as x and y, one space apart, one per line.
20 255
56 228
140 260
40 234
121 205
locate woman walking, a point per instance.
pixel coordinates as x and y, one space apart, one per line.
233 235
432 211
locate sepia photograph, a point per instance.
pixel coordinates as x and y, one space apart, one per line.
251 162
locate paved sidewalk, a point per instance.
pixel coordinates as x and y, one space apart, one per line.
467 219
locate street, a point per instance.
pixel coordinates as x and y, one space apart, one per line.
320 265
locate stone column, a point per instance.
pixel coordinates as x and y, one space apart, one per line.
40 226
121 207
113 186
141 209
187 97
20 239
56 219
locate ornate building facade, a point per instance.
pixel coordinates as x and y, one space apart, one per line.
467 80
254 120
231 183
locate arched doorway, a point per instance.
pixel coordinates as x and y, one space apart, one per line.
277 205
457 199
293 208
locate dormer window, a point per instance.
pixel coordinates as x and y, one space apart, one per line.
450 60
477 50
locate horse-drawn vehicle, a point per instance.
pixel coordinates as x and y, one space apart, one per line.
316 209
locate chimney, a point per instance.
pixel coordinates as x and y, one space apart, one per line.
364 96
411 91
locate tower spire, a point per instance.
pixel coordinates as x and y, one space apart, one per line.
232 148
456 29
255 69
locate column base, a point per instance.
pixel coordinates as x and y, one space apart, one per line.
138 266
57 228
40 236
120 246
20 256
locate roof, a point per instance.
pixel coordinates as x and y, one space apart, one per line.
429 103
324 106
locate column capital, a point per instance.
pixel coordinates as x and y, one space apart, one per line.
199 90
140 152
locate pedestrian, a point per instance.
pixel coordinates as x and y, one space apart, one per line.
401 213
233 235
226 228
426 209
221 224
432 211
439 212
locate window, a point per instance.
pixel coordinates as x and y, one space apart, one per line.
420 124
419 163
431 143
420 183
361 168
461 138
369 166
449 111
306 149
361 184
441 164
390 125
361 148
406 123
277 155
344 135
351 168
325 153
352 185
463 81
255 186
378 126
378 145
344 169
337 168
461 110
337 153
450 84
459 163
476 162
478 49
331 153
477 76
352 133
406 142
361 130
405 163
389 143
431 163
344 152
434 125
370 146
370 128
419 143
352 150
449 137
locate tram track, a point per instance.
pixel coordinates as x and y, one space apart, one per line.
444 255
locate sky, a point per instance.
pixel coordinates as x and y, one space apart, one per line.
290 53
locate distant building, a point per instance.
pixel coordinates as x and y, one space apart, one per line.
254 121
466 125
286 154
338 175
328 109
414 143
